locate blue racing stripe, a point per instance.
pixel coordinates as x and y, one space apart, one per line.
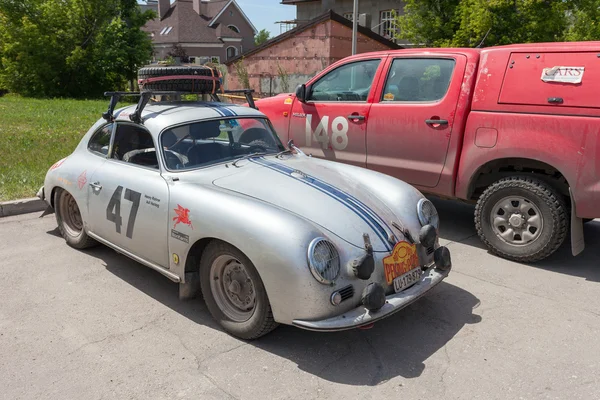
367 215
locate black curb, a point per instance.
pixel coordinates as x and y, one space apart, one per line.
22 206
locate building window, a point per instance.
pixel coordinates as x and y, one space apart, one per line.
349 16
234 28
231 52
215 60
388 24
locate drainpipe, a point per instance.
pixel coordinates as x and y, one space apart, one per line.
354 26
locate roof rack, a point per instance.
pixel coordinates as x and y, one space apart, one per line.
136 117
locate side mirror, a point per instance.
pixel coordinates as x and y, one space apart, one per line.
301 93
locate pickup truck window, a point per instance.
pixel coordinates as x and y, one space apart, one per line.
350 82
418 79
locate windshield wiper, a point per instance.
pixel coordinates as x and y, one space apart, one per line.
247 156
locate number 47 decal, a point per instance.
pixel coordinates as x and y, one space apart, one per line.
115 204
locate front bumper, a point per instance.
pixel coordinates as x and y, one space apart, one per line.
360 316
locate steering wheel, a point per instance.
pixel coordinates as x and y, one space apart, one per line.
171 156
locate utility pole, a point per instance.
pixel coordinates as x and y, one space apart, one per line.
354 26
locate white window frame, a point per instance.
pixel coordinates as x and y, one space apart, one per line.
162 32
386 23
169 30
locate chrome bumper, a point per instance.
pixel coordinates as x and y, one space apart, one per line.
360 316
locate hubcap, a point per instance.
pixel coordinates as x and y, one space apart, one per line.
232 288
517 221
71 216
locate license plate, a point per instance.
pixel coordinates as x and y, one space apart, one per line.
406 280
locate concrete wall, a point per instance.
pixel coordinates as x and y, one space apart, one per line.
301 56
310 10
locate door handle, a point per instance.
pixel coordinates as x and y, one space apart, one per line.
96 186
436 121
356 117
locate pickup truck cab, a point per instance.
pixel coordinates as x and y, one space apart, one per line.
513 128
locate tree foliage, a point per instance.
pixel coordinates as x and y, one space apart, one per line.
262 37
74 48
465 23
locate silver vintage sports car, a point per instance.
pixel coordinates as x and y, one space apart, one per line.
206 194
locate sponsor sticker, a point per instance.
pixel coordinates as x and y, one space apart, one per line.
182 217
563 74
180 236
288 101
389 97
82 180
58 164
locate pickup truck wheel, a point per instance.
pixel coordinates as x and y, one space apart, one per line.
522 219
234 292
70 222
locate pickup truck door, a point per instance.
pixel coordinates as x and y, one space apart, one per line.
332 123
413 117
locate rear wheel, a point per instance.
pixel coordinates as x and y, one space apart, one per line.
70 222
234 292
522 219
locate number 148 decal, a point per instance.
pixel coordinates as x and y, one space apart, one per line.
339 132
115 205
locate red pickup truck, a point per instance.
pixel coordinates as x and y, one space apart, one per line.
515 129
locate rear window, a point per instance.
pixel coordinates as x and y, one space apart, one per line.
552 79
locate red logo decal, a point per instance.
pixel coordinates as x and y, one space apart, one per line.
183 217
82 180
58 164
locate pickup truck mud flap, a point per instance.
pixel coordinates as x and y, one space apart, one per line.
577 241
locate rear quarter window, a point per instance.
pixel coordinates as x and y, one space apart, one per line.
100 141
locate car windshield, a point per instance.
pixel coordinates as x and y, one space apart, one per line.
205 143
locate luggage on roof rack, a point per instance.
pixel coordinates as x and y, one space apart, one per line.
181 78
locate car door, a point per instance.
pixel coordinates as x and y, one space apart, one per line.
411 123
332 122
128 197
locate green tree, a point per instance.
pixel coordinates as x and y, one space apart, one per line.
262 37
466 22
584 20
74 48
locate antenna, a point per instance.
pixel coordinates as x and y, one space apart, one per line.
480 45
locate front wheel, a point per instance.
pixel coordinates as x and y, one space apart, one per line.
234 292
70 222
522 219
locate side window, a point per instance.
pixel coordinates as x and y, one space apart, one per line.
422 79
100 141
350 82
133 144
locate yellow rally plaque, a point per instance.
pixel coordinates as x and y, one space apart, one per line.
403 259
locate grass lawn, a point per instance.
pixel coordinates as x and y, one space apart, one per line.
34 134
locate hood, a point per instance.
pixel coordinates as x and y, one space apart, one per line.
317 193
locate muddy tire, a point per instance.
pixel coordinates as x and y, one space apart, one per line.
180 85
70 222
521 219
234 292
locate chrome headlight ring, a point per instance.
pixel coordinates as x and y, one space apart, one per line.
427 213
323 260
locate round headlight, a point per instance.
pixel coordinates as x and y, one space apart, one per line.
323 260
427 213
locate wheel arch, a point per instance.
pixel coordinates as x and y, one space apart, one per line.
497 169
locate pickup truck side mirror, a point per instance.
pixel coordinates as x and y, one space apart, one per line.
301 93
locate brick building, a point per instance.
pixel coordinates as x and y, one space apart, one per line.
301 53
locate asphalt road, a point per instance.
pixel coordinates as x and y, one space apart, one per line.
95 325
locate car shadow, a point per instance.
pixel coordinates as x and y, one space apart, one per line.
396 346
457 226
